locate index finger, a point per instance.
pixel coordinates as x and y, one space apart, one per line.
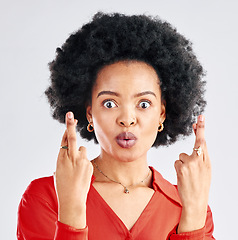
71 134
200 132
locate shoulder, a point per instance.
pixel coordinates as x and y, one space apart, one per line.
40 186
37 211
43 189
168 189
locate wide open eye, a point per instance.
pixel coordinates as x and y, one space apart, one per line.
144 104
109 104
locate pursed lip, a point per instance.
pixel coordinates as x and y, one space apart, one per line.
126 139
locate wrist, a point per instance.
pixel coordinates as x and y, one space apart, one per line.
191 220
74 217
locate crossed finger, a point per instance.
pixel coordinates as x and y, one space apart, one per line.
200 148
71 135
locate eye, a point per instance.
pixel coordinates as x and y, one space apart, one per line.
109 104
144 104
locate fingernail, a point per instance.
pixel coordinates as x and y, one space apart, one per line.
201 118
70 115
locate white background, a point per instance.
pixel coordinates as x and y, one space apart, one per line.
31 31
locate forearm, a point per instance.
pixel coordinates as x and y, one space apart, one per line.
188 232
192 219
73 217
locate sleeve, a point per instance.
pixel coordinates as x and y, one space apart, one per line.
64 231
37 220
205 233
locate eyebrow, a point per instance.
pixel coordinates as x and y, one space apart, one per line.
117 94
108 93
144 93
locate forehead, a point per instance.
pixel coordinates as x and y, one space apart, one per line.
127 76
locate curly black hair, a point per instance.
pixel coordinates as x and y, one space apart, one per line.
110 38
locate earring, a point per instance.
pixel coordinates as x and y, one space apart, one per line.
90 127
161 127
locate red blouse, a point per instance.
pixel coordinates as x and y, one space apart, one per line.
38 214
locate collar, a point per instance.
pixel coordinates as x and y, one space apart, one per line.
160 184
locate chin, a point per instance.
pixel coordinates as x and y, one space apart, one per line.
129 155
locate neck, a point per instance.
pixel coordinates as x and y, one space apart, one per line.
126 172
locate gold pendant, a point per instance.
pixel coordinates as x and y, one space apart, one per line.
126 190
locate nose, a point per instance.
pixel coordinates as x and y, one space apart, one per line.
127 118
127 123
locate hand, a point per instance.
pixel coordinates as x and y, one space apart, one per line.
193 180
72 178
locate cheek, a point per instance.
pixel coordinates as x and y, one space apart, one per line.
103 126
152 131
150 126
151 120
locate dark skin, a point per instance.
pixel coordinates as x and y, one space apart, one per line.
131 101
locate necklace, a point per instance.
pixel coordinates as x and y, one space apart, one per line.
126 190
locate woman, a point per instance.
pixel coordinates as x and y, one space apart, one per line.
129 83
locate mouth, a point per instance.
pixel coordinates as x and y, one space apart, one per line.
126 140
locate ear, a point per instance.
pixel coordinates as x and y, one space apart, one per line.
163 111
89 113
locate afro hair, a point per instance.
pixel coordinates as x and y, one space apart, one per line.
110 38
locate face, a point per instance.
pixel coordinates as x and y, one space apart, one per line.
126 109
